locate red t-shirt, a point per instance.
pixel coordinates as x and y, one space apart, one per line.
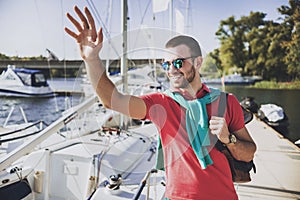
184 175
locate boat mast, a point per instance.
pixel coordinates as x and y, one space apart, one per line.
171 16
124 45
108 21
124 68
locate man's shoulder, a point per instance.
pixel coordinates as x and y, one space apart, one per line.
156 96
232 99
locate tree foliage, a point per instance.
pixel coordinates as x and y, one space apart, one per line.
5 57
255 46
292 22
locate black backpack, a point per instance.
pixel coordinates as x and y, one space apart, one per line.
240 170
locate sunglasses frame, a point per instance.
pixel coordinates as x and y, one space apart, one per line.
167 64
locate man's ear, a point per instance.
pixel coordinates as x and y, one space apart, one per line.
198 62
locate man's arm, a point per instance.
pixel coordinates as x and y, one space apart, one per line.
243 149
90 43
110 96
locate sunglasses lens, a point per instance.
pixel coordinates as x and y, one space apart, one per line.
166 66
177 63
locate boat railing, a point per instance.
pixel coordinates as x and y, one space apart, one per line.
23 128
143 183
29 145
11 112
39 125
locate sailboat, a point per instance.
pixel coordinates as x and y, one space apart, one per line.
79 157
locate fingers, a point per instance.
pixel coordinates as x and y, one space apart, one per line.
82 18
100 37
215 121
216 118
91 24
75 22
90 42
71 33
216 125
86 29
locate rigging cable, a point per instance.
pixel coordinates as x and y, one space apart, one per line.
67 100
101 23
43 39
63 41
151 51
142 19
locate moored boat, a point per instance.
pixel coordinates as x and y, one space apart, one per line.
79 154
249 104
21 82
274 116
232 79
271 114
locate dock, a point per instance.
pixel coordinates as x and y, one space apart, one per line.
277 163
63 87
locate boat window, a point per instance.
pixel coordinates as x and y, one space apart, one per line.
39 80
26 78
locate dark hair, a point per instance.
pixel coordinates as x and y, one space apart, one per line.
186 40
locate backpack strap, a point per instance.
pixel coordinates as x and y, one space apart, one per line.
222 104
234 164
221 111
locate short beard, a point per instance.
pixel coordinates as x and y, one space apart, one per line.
190 77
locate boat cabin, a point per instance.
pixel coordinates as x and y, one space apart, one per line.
31 77
28 77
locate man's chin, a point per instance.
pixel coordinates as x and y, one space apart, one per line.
177 84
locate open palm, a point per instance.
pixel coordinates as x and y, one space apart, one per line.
90 42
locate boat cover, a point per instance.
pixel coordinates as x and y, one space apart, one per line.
272 112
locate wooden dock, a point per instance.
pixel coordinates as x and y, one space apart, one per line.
277 163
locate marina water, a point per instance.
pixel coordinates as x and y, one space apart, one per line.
287 99
50 109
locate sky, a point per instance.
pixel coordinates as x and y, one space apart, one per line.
28 27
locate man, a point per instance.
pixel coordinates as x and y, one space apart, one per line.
195 169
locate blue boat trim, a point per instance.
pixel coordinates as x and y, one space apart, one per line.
7 92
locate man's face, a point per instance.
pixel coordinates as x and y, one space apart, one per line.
181 57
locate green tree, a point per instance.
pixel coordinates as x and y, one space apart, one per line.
209 67
3 57
254 46
292 23
234 51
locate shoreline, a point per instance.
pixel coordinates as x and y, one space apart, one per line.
273 85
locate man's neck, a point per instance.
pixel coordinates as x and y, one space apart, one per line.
189 92
194 88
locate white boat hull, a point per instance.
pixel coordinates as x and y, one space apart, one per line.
25 91
20 82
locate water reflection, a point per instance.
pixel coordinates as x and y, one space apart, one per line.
35 109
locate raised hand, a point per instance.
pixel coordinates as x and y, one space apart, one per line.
90 42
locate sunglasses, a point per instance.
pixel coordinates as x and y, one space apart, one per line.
177 63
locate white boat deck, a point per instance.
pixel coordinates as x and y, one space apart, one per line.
277 163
